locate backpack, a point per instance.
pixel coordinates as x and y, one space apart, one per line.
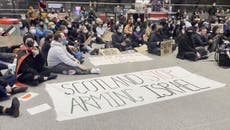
221 56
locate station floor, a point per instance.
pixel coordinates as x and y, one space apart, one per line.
203 111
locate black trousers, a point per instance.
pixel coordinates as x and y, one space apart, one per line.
136 43
28 78
124 48
156 51
193 56
63 68
7 57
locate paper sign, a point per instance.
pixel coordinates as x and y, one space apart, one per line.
39 109
28 96
119 59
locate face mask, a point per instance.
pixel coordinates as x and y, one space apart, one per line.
41 23
64 41
30 44
85 31
46 21
23 18
66 31
53 26
69 26
33 31
138 30
20 25
119 30
189 34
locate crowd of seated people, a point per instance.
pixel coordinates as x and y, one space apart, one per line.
54 43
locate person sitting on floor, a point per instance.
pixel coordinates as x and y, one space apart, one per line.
13 110
46 46
30 64
186 48
100 31
7 86
8 79
128 30
119 40
215 39
200 39
37 33
156 37
61 61
83 35
137 37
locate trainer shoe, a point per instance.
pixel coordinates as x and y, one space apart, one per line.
69 72
52 76
95 71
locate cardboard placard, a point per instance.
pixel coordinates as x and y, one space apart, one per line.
141 49
109 51
10 40
107 36
166 47
221 27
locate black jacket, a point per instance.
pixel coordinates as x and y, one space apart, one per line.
198 40
117 39
185 44
154 38
45 49
32 64
82 37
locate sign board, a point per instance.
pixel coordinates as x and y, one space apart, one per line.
142 49
89 97
221 27
55 6
10 40
166 47
109 51
107 36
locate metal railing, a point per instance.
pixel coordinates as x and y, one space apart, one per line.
105 7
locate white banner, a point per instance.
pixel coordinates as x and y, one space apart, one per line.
118 59
89 97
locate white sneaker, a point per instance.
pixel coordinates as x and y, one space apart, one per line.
69 72
95 71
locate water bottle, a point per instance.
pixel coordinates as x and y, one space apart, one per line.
12 67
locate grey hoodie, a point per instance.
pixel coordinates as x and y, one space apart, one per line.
59 54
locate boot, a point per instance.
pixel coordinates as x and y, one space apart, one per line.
14 109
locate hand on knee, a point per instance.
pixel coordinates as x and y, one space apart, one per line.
36 77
